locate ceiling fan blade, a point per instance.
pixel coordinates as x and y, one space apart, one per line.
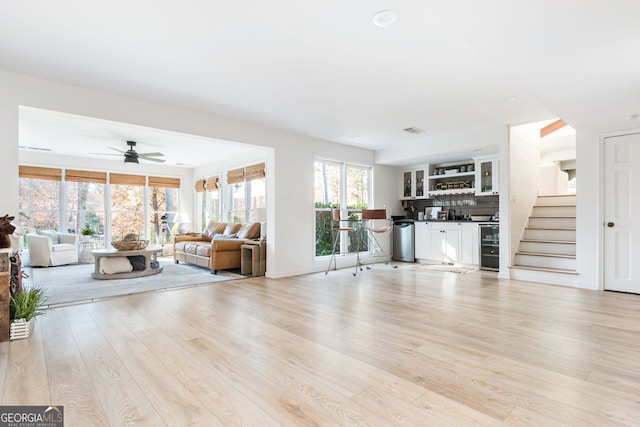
151 159
117 149
107 154
150 154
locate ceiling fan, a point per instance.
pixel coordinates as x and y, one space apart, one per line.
132 156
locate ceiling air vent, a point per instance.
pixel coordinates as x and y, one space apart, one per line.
26 147
414 130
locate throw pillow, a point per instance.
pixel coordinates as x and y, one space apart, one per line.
51 234
225 236
113 265
249 231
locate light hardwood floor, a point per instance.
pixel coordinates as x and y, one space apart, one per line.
388 347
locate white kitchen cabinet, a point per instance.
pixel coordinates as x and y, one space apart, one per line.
469 243
414 183
421 240
487 176
444 242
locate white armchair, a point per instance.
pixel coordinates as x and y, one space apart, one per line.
43 252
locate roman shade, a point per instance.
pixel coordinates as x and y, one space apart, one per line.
211 184
71 175
35 172
235 176
125 179
200 186
164 182
254 172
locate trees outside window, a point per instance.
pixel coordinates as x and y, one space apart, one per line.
346 187
39 203
163 204
85 207
127 210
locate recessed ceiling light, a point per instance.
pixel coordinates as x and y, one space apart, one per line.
510 98
384 18
632 117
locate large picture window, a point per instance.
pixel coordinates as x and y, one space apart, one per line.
346 187
163 205
127 205
111 205
39 199
85 202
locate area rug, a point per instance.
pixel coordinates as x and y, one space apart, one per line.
459 269
73 283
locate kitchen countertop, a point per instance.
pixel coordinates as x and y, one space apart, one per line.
446 220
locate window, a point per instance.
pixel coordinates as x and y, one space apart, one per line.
163 204
85 202
248 192
208 200
82 201
39 202
127 205
339 185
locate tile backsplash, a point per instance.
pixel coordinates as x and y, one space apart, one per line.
463 205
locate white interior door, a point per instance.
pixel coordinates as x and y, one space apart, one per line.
621 213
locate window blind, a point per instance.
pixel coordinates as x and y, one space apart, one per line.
235 175
85 176
164 182
36 172
254 172
125 179
200 186
211 184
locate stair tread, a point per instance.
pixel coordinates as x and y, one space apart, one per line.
552 216
545 254
545 269
565 242
551 229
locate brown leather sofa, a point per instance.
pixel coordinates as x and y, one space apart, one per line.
217 247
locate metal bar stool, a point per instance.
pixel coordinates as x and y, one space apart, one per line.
340 226
378 228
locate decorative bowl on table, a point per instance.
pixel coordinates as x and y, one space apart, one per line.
130 242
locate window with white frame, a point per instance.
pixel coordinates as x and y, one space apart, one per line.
247 192
163 206
86 201
85 195
39 199
344 186
208 201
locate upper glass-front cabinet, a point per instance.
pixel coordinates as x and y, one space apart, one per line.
414 184
487 176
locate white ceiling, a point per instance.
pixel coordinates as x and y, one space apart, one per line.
323 69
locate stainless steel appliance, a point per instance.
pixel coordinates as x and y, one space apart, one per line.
489 247
403 241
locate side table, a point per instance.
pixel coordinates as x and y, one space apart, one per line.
253 259
85 251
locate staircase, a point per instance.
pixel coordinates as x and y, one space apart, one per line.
547 251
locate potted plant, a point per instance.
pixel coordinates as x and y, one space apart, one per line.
87 232
25 306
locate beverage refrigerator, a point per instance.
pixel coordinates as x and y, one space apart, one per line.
489 247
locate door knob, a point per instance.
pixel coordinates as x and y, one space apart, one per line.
610 224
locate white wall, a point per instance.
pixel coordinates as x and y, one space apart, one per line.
289 166
524 147
589 209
